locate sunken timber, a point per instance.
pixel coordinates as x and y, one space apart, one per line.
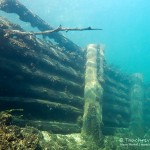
61 96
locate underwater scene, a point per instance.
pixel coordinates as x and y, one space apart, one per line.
74 75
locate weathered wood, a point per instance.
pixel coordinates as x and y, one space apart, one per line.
60 28
110 81
114 116
100 64
93 91
41 46
52 127
11 89
20 54
43 66
115 91
15 72
117 109
14 6
114 131
117 75
115 99
115 122
35 109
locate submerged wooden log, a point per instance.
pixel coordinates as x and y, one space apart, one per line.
116 75
36 109
100 64
60 28
113 99
115 122
114 108
92 118
110 81
52 127
115 91
41 92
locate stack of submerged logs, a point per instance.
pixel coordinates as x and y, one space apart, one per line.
44 80
116 100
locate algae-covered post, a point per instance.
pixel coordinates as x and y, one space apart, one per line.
136 97
92 118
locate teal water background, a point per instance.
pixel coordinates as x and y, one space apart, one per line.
125 24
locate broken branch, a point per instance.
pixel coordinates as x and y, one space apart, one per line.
18 32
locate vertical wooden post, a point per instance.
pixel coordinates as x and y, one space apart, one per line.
92 118
136 97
